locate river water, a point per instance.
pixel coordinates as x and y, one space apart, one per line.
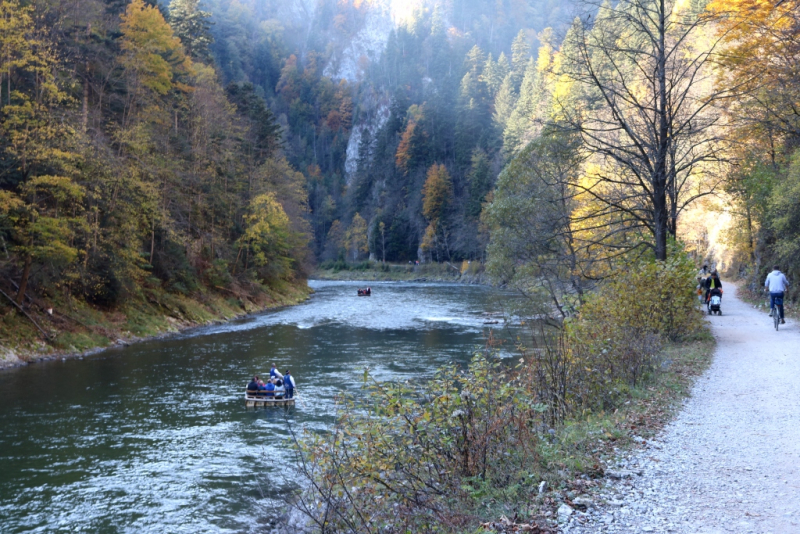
155 437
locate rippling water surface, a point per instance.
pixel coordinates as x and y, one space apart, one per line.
155 437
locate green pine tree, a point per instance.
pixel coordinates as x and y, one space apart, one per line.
192 27
504 103
520 54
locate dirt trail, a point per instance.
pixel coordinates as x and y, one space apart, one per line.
730 462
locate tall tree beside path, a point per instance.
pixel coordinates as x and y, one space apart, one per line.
649 118
762 50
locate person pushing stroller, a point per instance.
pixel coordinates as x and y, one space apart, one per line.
713 289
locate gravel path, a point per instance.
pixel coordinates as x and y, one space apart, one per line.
730 462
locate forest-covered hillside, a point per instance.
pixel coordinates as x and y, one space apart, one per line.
372 94
129 172
187 144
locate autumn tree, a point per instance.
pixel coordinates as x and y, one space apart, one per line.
762 44
356 237
42 205
335 247
267 238
437 195
647 123
152 56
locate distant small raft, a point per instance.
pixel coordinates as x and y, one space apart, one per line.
253 400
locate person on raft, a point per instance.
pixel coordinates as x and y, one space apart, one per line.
288 384
274 373
279 389
253 385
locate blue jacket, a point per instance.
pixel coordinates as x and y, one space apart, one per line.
288 381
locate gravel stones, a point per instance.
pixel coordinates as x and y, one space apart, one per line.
564 512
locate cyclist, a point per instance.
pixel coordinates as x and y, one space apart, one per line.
777 284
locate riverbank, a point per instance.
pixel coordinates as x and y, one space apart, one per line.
465 273
76 329
565 467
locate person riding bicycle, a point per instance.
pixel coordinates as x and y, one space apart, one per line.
777 284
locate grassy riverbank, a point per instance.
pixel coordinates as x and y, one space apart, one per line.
75 327
465 272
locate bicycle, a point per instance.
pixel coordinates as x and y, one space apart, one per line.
776 315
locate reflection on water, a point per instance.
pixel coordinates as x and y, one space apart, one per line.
155 437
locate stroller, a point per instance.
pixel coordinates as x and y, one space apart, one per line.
715 301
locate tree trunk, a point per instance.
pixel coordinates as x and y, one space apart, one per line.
660 182
85 110
23 281
750 238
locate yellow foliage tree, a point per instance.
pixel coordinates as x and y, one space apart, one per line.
763 43
152 55
437 194
356 237
41 210
267 237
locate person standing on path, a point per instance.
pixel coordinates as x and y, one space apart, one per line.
777 284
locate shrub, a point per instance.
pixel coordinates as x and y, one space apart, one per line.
615 340
404 459
654 297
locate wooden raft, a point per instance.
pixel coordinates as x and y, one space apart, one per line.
252 400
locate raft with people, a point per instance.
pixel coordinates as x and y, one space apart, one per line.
365 292
253 400
278 390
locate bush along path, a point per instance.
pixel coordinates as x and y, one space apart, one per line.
730 462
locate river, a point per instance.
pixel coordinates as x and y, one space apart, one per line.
155 437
